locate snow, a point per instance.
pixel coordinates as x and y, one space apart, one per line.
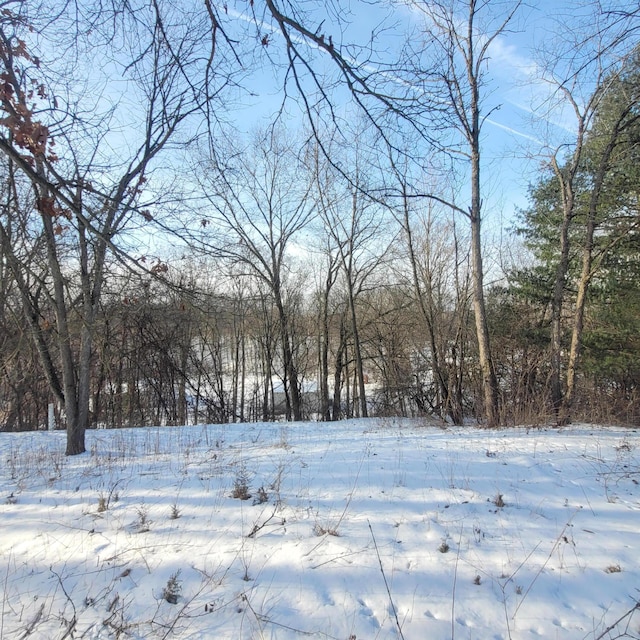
362 529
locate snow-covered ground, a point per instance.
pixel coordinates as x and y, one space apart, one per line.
354 530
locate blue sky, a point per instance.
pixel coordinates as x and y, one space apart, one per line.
516 136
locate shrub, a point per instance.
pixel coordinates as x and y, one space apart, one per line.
173 588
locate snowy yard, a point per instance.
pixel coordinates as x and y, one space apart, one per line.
353 530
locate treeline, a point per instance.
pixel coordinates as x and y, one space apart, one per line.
204 345
159 264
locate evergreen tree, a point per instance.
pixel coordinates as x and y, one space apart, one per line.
604 249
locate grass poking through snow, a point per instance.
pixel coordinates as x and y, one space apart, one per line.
361 529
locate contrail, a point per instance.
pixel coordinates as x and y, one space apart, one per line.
515 132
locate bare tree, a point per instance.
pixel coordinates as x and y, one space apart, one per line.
259 205
23 387
358 235
450 67
79 203
441 289
327 270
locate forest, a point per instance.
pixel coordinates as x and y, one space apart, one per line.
270 210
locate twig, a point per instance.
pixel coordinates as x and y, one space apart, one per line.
32 623
261 618
628 614
74 620
544 564
339 557
386 584
257 527
5 595
344 511
453 594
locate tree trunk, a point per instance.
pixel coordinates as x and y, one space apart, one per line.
243 374
323 358
75 392
448 405
291 372
556 314
336 411
357 350
268 391
235 376
586 273
489 381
